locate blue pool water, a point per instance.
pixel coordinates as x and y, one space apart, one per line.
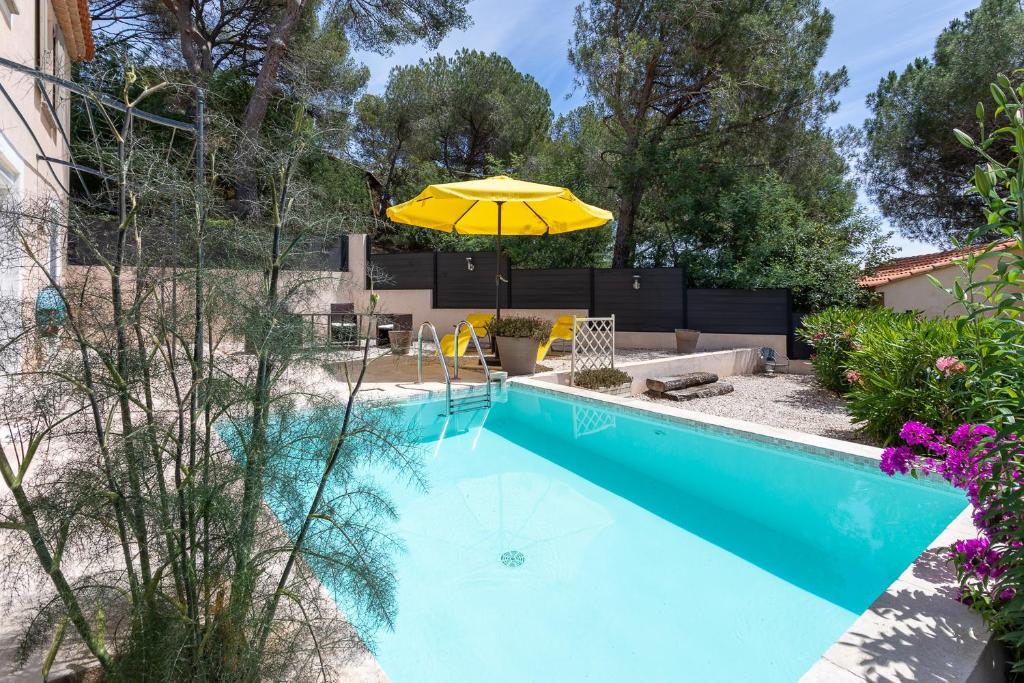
561 541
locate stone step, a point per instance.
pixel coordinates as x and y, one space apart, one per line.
699 391
690 379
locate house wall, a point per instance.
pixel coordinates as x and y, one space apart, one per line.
25 179
919 293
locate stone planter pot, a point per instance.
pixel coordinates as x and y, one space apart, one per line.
401 341
618 390
686 340
518 355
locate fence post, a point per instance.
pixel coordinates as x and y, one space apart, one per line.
789 323
686 298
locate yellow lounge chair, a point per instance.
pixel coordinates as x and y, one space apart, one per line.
479 321
562 329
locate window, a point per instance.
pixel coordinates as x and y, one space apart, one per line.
10 189
8 8
10 170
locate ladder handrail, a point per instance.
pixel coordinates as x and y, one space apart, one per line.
476 343
479 352
449 402
444 364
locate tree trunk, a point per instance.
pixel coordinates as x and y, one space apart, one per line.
247 192
629 203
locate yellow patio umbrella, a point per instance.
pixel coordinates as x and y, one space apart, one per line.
498 206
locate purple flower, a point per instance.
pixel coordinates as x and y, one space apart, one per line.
967 458
970 435
896 459
977 557
917 433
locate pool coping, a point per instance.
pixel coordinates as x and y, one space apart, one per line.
916 629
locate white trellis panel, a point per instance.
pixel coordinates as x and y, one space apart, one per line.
593 345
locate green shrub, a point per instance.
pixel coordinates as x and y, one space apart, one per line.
521 326
834 333
600 378
893 376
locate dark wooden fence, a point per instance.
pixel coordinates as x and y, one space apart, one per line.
552 288
738 311
403 271
466 280
642 299
657 306
174 250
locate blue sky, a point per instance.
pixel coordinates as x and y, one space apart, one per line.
871 38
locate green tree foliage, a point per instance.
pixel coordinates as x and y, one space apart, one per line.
915 167
756 232
447 119
142 449
670 75
263 42
571 158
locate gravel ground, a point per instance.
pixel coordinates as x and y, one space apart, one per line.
787 401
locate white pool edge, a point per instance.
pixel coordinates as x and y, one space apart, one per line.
916 630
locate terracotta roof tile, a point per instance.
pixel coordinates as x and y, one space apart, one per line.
76 24
909 266
86 20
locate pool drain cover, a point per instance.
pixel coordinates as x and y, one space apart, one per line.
513 558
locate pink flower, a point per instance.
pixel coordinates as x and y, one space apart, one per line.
853 377
818 336
949 365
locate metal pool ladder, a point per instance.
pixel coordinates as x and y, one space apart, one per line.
455 404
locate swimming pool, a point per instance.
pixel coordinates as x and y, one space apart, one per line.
562 540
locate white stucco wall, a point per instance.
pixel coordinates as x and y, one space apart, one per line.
28 131
18 36
919 293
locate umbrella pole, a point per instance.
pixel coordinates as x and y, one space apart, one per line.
497 273
497 289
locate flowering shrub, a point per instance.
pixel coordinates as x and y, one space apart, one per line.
980 376
950 365
911 369
834 334
964 458
993 299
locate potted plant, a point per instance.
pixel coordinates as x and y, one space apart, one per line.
606 380
518 339
686 340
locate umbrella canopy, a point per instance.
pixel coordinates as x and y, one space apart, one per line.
498 206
